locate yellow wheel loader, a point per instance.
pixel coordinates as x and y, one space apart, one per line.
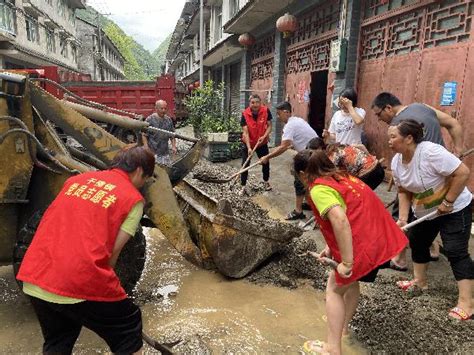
35 162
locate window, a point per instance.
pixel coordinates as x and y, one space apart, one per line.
31 29
61 7
74 53
233 7
218 25
50 42
72 16
49 2
63 46
7 16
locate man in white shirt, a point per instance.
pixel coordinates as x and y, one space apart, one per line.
297 133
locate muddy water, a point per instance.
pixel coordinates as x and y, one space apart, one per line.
209 313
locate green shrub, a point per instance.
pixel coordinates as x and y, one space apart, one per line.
205 111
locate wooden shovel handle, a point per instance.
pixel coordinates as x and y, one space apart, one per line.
248 159
244 170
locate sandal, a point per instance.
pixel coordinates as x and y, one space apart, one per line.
410 286
294 216
461 313
396 267
267 186
314 347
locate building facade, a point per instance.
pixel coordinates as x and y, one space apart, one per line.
97 55
36 33
420 50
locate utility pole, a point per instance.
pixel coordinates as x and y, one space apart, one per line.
201 43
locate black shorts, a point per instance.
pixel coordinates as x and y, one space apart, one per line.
299 187
371 276
118 323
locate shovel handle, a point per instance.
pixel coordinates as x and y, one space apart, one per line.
327 261
250 155
244 170
248 158
419 220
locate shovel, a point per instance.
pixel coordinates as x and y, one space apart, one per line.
333 263
223 181
247 160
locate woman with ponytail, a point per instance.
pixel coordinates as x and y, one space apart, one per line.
360 234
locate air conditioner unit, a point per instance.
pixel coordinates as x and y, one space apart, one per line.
337 60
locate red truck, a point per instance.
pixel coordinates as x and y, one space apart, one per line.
136 97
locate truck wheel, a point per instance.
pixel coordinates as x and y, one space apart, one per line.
129 266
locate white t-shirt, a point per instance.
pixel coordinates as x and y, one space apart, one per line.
343 126
426 176
299 132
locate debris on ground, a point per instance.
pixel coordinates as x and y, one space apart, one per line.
292 265
242 206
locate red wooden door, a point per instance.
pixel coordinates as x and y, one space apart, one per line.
411 48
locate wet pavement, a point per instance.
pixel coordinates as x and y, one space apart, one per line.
274 310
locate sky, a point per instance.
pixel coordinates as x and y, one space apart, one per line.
149 22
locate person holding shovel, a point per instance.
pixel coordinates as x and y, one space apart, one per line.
296 134
430 178
389 109
256 128
360 234
68 270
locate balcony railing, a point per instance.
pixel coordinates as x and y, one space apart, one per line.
7 18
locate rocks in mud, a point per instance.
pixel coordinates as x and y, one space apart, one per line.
291 265
388 320
243 207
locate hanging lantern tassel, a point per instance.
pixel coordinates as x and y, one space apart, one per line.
288 24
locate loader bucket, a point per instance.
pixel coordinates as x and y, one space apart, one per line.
232 245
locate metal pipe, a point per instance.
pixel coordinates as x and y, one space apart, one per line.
201 43
87 158
121 121
106 117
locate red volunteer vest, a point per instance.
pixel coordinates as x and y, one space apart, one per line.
70 252
375 236
258 127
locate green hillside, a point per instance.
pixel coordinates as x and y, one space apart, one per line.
140 64
160 53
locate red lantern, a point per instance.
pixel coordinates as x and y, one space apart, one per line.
287 24
191 87
246 40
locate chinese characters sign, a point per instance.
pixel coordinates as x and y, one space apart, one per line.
95 191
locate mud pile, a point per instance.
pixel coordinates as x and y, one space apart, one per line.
243 207
292 265
392 321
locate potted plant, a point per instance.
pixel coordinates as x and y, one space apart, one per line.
210 120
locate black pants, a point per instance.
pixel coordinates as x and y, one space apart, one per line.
455 230
375 177
118 323
261 151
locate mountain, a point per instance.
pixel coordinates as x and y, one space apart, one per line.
160 53
140 64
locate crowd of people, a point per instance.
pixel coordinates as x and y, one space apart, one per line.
334 176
